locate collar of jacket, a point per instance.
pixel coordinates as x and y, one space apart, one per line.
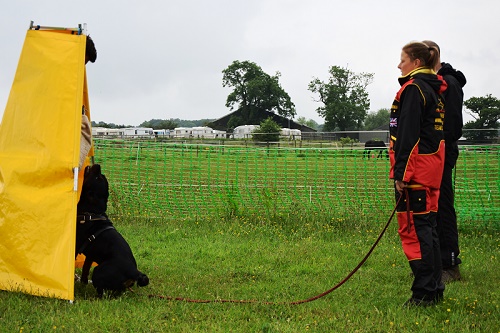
420 70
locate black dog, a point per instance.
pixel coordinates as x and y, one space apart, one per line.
378 147
99 241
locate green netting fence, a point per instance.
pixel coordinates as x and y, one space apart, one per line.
178 180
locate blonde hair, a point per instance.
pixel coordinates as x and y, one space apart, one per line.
430 43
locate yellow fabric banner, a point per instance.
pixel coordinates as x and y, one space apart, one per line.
39 151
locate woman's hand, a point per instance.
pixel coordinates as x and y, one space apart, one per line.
400 185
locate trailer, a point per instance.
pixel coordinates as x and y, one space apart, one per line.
201 132
137 132
103 131
244 131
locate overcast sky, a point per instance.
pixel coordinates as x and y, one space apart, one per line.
164 59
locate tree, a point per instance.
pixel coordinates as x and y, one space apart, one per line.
107 125
486 114
344 97
268 131
307 122
254 90
377 119
485 111
160 124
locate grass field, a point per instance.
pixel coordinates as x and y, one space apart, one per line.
270 261
158 179
273 226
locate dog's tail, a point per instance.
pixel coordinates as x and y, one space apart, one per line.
142 280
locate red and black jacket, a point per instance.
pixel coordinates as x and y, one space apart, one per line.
416 129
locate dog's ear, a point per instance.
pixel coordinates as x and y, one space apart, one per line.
96 168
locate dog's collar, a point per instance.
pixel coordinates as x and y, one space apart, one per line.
93 238
86 217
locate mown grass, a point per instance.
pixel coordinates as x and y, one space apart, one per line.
286 226
280 261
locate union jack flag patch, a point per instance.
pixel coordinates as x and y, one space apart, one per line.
393 122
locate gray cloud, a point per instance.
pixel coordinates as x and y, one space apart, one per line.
163 59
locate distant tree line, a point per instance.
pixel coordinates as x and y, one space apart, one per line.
159 123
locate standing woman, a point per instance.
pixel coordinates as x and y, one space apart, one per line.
446 216
417 160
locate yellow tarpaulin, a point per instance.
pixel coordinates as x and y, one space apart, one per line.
39 151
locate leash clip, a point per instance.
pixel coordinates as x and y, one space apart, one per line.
408 211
